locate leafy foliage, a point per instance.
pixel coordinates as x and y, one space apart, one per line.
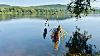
77 44
78 7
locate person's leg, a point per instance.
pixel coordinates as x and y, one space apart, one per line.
56 45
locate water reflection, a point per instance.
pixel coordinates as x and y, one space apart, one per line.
45 29
14 16
77 44
45 33
17 16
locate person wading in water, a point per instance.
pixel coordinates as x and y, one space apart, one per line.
56 36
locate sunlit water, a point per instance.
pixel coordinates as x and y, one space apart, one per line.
23 37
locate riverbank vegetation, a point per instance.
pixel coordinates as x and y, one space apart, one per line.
45 11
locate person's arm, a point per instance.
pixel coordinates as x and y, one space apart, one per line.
62 33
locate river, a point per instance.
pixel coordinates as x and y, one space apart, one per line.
23 36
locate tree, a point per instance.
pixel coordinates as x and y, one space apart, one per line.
79 7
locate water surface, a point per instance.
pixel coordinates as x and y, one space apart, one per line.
23 36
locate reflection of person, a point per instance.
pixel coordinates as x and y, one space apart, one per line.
45 33
45 29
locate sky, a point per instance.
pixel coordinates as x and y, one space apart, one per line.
40 2
32 2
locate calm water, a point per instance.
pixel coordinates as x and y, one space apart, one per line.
23 37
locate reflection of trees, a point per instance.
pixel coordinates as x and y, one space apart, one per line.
77 44
52 13
14 16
